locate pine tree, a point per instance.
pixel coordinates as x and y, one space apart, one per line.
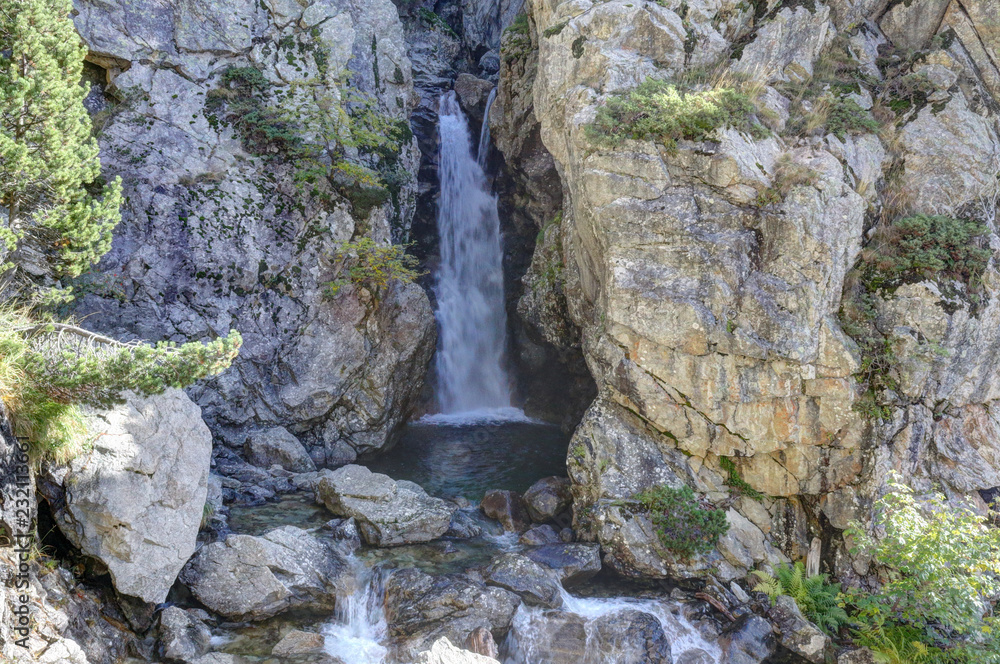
48 156
49 171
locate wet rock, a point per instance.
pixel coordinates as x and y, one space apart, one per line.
297 642
560 637
798 634
135 499
472 95
443 652
481 641
547 498
749 640
183 637
544 534
573 563
344 532
695 656
629 637
463 525
252 578
421 608
535 584
508 508
276 446
219 658
388 513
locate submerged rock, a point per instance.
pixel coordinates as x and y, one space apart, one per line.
547 498
421 608
387 512
135 499
252 578
297 642
508 508
535 584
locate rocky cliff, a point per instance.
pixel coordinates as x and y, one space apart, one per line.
715 280
206 111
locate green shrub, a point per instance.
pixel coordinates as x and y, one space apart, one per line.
373 266
683 525
665 113
940 571
436 22
519 26
816 597
845 116
735 480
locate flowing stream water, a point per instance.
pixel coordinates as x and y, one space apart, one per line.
472 322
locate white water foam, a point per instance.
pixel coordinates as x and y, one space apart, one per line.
359 627
530 642
478 417
472 321
484 134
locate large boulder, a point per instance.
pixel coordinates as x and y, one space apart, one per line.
135 499
535 584
749 640
252 578
276 446
183 636
387 513
421 608
629 637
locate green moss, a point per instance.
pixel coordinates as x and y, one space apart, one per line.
665 113
736 481
847 117
555 29
683 525
577 47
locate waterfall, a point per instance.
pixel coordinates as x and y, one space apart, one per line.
471 318
359 627
484 133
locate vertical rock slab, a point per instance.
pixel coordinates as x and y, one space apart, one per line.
134 500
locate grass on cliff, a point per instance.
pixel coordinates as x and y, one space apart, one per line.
682 523
667 113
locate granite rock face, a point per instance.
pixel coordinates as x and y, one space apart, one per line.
135 500
215 232
709 313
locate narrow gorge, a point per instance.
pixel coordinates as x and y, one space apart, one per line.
520 331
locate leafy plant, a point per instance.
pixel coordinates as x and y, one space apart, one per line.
896 644
816 597
682 523
373 266
666 113
847 117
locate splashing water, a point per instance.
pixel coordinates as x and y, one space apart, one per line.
359 627
471 316
531 635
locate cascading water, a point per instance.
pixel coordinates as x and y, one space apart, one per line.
359 628
484 133
471 318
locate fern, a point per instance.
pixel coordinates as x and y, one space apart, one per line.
816 597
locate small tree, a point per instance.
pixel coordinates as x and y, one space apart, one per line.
50 200
49 166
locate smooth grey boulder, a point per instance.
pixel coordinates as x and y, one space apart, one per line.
421 608
252 578
628 637
535 584
547 498
574 563
135 499
277 446
387 513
